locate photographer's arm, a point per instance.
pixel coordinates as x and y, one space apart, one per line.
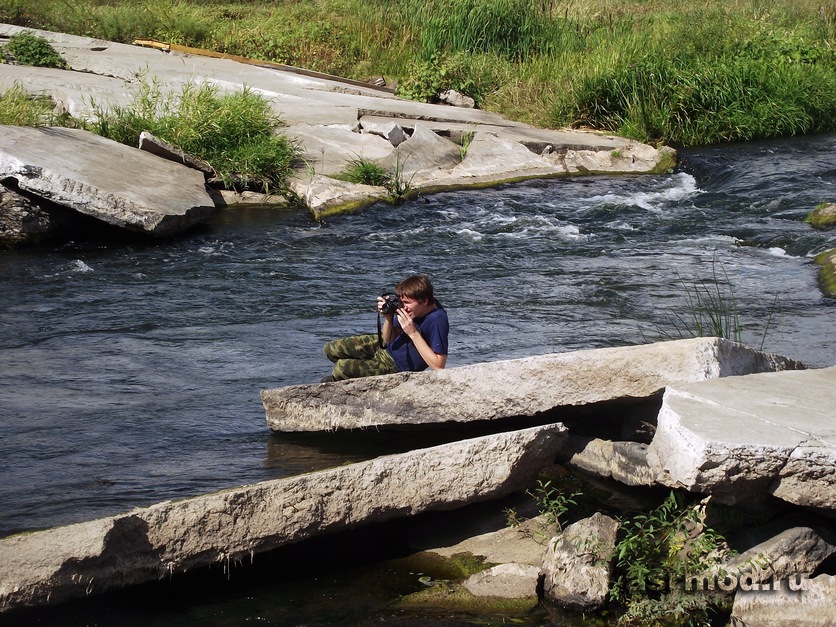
434 360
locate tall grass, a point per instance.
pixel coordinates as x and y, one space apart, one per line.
655 70
18 108
235 132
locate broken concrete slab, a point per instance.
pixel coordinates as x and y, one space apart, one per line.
623 461
510 388
316 106
101 178
174 536
742 437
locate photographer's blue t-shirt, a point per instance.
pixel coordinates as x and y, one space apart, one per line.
434 329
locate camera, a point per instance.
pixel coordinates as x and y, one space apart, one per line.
392 303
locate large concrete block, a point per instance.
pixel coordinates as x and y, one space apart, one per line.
510 388
104 179
174 536
742 437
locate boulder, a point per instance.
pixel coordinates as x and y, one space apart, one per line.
174 536
577 564
325 196
511 388
508 581
823 216
799 602
22 221
157 146
796 551
455 99
739 438
101 178
827 272
625 462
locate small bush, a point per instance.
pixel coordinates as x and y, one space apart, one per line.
656 555
26 48
235 133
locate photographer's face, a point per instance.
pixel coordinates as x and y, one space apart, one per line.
416 308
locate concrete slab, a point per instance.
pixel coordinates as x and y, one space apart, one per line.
312 105
174 536
98 177
742 437
510 388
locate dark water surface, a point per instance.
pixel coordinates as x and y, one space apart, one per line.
131 371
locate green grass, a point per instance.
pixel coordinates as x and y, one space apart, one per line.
18 108
654 70
235 132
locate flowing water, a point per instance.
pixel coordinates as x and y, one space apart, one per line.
131 370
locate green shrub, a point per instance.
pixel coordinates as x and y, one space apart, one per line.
26 48
656 555
235 133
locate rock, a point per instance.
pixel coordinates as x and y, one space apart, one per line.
326 196
21 220
630 159
823 216
101 178
388 129
508 581
742 437
796 551
321 112
623 461
455 99
523 544
578 563
423 156
511 388
174 536
329 150
799 602
827 272
157 146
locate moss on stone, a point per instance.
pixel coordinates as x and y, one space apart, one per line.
454 597
456 566
827 272
823 216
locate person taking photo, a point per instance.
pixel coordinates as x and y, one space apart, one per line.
411 338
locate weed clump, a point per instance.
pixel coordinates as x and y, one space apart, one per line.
236 133
26 48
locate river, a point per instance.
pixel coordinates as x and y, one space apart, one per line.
131 369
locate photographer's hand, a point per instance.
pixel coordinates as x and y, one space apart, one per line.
407 324
388 332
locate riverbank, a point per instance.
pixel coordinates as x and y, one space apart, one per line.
661 72
333 124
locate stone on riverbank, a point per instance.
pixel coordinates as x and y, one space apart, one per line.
510 388
823 216
577 563
103 179
174 536
811 606
827 272
739 438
